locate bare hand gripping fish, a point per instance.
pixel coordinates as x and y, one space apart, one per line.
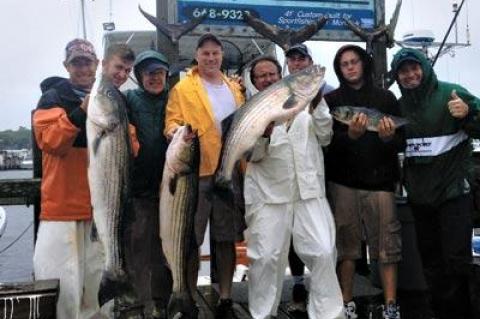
345 115
278 103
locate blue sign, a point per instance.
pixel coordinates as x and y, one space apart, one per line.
285 14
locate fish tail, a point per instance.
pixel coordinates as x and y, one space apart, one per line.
182 305
113 286
221 182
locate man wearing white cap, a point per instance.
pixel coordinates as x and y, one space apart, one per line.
298 58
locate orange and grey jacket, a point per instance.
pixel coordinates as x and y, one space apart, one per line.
188 103
59 127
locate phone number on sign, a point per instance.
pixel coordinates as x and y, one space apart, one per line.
219 13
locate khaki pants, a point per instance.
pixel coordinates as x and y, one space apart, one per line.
371 214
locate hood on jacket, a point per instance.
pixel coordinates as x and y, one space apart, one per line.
366 60
143 59
429 79
51 82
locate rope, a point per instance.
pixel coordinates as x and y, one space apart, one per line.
16 239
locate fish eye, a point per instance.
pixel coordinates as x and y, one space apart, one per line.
109 94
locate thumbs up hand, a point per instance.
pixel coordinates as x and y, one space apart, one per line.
457 107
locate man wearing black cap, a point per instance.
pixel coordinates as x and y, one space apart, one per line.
203 99
298 58
362 171
146 106
442 119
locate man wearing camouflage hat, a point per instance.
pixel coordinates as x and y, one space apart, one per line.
64 249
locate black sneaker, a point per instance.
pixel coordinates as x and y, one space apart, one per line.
224 309
299 299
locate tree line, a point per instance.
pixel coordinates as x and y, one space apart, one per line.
14 140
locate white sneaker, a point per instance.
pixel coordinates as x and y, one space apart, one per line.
350 310
391 311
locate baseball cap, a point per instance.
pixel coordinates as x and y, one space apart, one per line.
151 66
299 48
208 37
79 48
404 56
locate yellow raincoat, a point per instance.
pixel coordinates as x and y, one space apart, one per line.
188 103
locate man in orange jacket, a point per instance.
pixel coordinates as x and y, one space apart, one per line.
63 249
203 99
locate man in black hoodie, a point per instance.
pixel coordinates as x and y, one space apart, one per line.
362 169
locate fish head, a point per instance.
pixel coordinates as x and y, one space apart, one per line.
306 83
343 113
183 151
105 104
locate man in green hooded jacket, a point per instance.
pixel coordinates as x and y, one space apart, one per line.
442 119
146 105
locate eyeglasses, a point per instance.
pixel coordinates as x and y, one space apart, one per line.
352 62
266 75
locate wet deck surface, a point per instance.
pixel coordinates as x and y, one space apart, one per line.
368 299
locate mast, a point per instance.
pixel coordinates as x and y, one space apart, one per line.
84 27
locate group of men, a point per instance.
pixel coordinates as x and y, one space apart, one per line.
291 172
65 248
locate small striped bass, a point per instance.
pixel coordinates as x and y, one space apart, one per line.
178 204
109 154
278 103
345 115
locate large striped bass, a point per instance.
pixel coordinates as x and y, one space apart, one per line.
178 204
109 153
278 103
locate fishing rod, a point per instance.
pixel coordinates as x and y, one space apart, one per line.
448 33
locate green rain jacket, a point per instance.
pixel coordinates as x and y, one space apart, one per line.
438 163
147 114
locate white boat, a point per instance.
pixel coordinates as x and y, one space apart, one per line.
3 220
26 164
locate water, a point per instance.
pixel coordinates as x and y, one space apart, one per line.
16 263
476 242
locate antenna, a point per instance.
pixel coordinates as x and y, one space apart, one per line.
109 26
468 27
84 27
447 34
454 10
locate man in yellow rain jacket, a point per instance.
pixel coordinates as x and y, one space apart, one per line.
203 99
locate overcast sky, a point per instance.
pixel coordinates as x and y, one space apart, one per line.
34 34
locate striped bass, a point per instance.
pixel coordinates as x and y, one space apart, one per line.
344 114
109 154
278 103
178 204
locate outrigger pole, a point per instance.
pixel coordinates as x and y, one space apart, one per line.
447 34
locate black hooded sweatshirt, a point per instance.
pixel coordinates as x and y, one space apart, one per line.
366 163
